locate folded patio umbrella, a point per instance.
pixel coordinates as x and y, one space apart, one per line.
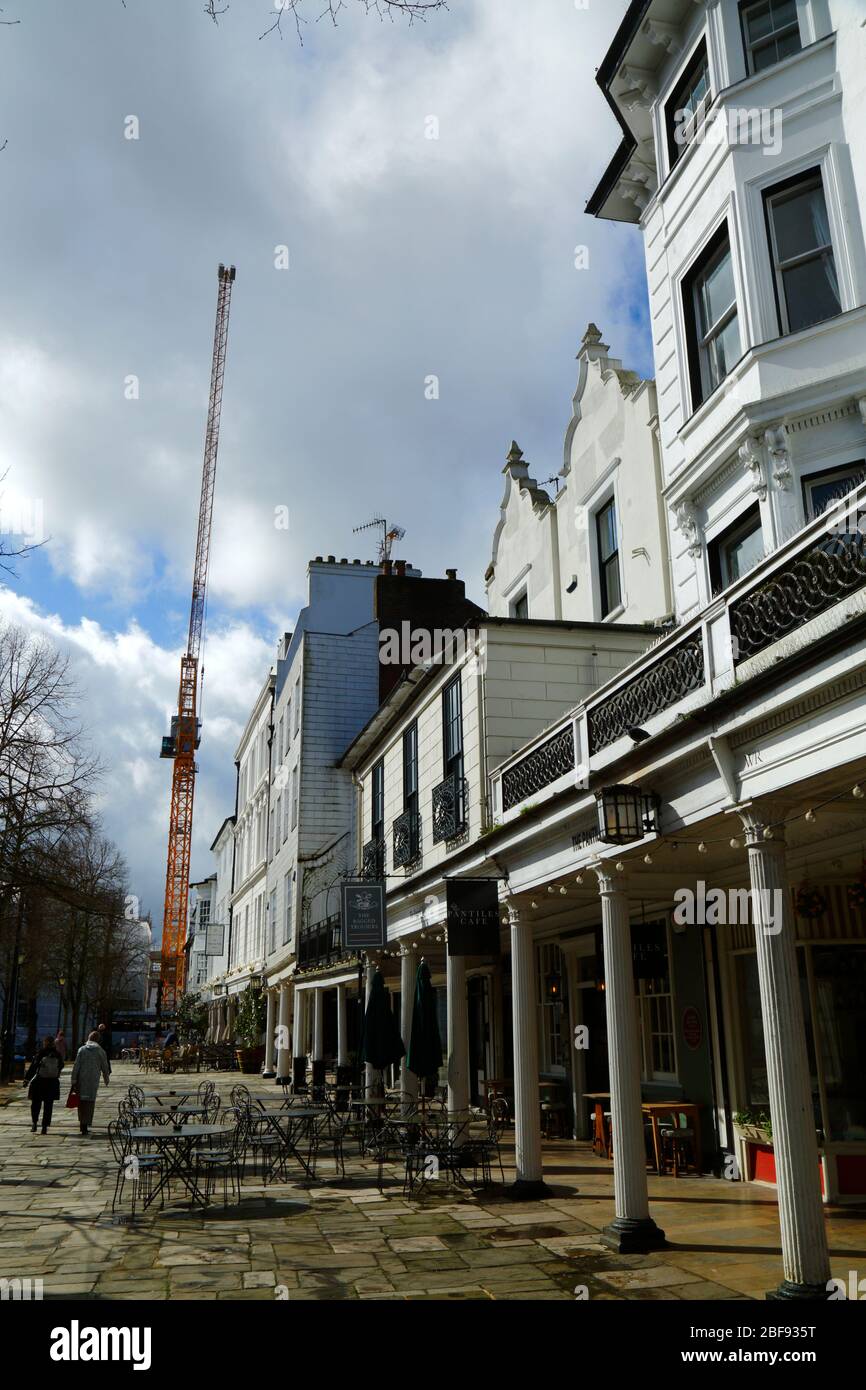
381 1045
425 1045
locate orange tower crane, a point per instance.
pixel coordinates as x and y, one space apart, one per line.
185 735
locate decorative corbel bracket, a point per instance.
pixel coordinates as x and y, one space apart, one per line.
776 441
666 35
689 527
751 461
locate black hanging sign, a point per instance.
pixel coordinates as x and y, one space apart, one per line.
473 917
363 915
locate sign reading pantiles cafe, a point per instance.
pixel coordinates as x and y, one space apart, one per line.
473 917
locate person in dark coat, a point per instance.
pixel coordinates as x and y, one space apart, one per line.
103 1043
44 1078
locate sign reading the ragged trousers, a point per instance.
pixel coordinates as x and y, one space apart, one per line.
363 915
473 917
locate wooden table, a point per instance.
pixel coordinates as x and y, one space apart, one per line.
654 1110
600 1133
658 1109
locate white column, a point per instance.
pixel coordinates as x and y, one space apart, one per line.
527 1105
284 1052
318 1023
270 1027
805 1260
342 1049
299 1044
458 1033
408 966
632 1229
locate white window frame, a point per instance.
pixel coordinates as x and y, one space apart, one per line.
808 179
750 46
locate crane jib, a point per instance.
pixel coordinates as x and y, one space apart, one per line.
185 736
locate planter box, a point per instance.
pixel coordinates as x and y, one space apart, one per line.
250 1059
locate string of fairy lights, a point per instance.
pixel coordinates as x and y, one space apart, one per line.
438 935
768 832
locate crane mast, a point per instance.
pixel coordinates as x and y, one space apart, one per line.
185 736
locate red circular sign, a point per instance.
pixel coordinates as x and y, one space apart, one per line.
693 1029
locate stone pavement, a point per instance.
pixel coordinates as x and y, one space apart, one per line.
339 1239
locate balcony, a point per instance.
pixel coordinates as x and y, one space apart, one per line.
543 765
664 683
406 832
807 586
448 811
763 619
373 860
320 944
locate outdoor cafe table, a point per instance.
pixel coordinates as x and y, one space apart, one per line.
177 1142
291 1123
654 1111
159 1096
164 1112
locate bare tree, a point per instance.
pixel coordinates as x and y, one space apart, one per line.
299 10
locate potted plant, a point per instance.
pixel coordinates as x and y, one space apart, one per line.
191 1018
754 1125
249 1027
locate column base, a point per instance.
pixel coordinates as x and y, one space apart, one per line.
268 1074
528 1190
628 1236
282 1080
788 1290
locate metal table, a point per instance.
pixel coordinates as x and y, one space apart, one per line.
182 1140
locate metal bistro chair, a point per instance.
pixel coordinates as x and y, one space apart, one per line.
208 1097
241 1095
224 1162
136 1096
265 1145
136 1171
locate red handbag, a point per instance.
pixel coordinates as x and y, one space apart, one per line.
72 1100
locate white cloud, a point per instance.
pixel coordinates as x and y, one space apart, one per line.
128 685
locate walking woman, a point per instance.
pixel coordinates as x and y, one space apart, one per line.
44 1078
91 1063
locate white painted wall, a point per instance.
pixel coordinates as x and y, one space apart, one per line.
545 542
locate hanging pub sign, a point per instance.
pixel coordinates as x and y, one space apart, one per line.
215 942
473 917
363 915
649 950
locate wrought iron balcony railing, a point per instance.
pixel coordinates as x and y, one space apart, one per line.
406 831
803 588
449 808
664 684
373 860
320 943
544 765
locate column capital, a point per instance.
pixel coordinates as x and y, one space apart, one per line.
763 823
610 878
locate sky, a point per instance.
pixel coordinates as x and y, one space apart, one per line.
402 203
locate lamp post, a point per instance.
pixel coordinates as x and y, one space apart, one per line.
60 983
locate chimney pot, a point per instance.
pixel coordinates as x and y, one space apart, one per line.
450 574
332 560
386 566
400 568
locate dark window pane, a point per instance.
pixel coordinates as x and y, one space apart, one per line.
717 291
758 22
811 294
607 531
743 553
727 350
612 593
800 222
